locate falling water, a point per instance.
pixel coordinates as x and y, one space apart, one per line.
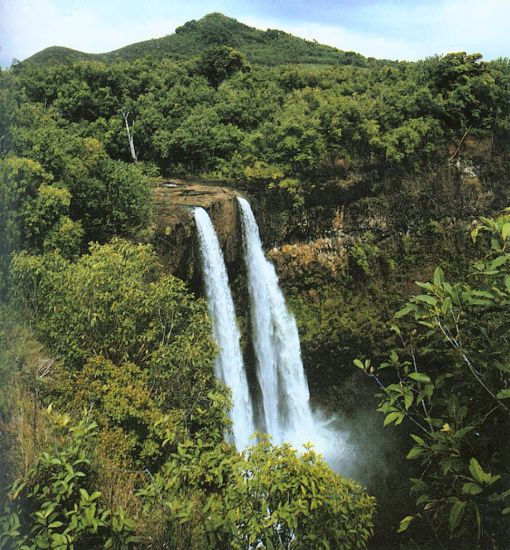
229 363
284 388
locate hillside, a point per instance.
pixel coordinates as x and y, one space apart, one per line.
270 47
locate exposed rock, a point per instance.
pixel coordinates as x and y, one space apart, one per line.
326 257
175 237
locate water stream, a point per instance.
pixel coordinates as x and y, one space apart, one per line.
283 395
280 373
229 362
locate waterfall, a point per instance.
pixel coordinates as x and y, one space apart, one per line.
280 373
284 397
229 363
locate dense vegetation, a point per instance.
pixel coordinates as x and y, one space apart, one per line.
111 421
450 378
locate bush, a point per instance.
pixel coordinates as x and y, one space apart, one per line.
55 505
134 346
269 496
451 381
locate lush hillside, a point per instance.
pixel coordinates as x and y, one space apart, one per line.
271 47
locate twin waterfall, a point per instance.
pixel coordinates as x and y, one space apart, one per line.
283 388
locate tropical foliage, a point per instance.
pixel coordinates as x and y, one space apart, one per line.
451 380
55 506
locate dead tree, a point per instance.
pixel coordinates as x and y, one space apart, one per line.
125 115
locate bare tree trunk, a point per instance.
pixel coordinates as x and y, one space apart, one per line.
125 115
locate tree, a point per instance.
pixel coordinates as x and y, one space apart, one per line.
19 181
33 212
451 381
271 496
201 139
122 328
107 197
219 63
131 141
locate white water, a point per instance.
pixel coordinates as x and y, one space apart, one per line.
229 363
284 388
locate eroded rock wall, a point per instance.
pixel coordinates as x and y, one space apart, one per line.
175 236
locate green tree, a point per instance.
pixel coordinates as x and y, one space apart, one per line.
451 381
107 197
273 496
121 327
33 212
19 182
219 63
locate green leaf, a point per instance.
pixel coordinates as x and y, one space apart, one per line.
404 524
419 486
482 294
507 282
426 298
499 261
456 513
503 394
505 231
395 329
446 306
405 311
408 399
420 377
479 475
418 439
438 276
471 489
495 245
358 363
415 452
393 417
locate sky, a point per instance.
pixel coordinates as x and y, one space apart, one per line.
389 29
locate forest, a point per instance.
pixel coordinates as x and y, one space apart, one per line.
381 190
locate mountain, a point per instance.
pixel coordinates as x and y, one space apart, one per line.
270 47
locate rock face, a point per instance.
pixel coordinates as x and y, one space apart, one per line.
175 235
326 257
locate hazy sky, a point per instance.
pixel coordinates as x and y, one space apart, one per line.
394 29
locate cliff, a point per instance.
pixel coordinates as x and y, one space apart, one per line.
175 237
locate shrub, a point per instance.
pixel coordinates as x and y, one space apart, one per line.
268 495
451 381
135 346
55 505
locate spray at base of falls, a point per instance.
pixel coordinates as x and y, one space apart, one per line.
229 363
285 396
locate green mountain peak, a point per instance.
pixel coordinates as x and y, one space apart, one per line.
270 47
